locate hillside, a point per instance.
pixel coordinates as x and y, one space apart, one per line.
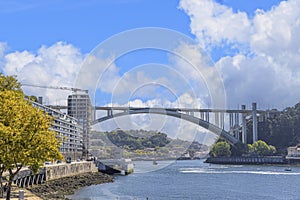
280 130
143 145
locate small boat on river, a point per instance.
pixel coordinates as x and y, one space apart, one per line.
288 169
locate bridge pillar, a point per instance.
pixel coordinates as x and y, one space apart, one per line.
254 117
244 126
236 126
202 115
230 120
109 112
217 119
207 116
222 120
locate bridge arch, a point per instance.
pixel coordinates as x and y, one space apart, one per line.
200 122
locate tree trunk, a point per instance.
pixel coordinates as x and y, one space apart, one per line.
1 189
1 184
8 192
10 181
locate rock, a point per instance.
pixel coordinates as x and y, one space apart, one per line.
60 188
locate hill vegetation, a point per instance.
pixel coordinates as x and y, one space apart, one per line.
142 144
281 129
129 142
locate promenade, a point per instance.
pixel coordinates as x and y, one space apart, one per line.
27 194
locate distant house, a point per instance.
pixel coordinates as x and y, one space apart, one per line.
294 151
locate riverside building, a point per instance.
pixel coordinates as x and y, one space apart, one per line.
294 151
80 107
68 129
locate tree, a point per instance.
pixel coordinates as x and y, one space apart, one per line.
261 148
9 83
220 149
25 138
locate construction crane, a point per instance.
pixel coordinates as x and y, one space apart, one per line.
54 87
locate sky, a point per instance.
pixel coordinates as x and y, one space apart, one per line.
242 51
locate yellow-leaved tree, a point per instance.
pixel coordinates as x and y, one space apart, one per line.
25 138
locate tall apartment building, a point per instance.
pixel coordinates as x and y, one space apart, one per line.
80 107
68 129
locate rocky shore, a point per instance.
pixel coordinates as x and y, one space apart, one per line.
60 188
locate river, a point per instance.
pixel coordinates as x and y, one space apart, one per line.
194 179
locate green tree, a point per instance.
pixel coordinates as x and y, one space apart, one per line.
9 83
32 98
25 138
220 149
272 149
250 148
261 148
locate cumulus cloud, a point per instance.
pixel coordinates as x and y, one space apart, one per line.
212 22
3 47
56 65
268 72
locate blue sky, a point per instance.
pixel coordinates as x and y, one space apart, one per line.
26 25
254 46
30 29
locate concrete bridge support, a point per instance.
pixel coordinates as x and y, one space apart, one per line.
254 117
244 126
207 116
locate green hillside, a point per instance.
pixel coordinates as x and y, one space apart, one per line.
281 129
142 144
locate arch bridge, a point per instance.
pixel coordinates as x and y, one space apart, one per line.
210 119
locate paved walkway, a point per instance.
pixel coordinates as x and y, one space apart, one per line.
27 194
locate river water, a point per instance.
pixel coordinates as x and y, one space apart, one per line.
194 179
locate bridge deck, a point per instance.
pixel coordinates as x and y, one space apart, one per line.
178 109
118 108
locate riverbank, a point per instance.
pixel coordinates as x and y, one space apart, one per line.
27 194
60 188
253 160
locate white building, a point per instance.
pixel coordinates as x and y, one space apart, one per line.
68 129
294 151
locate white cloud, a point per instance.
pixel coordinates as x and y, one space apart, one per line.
212 22
268 72
97 72
3 47
56 65
198 70
16 61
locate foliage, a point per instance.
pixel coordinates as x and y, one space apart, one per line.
25 138
129 142
151 143
281 129
261 148
32 98
9 83
220 149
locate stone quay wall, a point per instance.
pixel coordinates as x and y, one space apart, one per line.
247 160
69 169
